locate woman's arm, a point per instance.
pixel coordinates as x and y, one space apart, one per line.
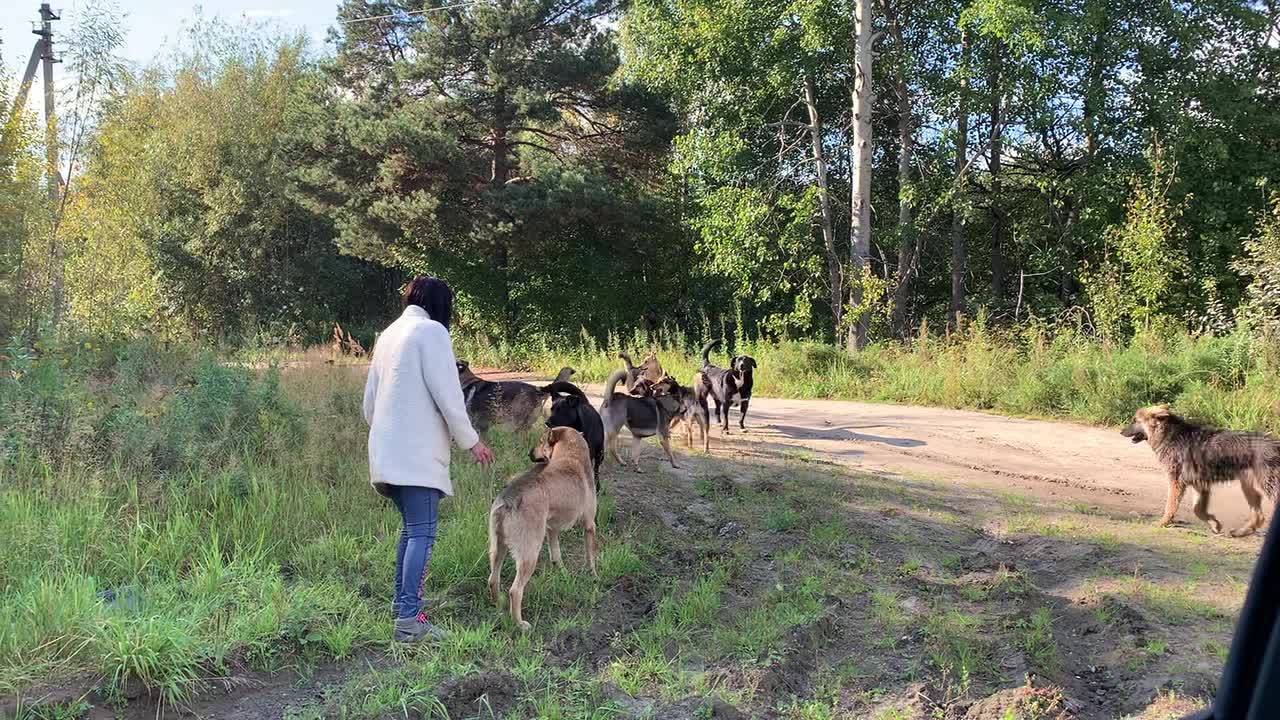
440 371
370 394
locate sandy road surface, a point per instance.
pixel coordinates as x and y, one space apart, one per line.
1055 461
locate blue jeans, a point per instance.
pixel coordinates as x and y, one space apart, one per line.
419 507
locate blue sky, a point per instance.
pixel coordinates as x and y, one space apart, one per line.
152 23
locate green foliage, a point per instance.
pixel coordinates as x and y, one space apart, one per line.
138 404
1134 283
522 176
1261 264
186 206
24 217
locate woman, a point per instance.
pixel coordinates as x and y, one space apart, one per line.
413 404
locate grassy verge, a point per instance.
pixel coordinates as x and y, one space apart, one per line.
171 526
1232 381
214 530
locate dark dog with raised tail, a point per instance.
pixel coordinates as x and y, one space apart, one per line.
726 388
643 416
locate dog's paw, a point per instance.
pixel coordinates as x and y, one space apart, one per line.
1241 532
525 626
1216 528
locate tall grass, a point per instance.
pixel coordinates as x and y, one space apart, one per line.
1232 381
170 519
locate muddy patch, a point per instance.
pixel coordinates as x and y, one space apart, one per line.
625 607
481 696
794 672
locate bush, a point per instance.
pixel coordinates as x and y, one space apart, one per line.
142 404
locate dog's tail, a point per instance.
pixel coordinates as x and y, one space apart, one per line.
706 352
497 513
1271 482
612 384
565 387
626 360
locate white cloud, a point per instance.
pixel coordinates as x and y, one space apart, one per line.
268 13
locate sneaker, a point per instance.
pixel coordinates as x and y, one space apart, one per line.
417 629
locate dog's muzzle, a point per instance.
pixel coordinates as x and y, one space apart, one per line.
1135 433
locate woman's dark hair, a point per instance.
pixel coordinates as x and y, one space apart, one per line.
433 295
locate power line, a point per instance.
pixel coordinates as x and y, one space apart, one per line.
408 12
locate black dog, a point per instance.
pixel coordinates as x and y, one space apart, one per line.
571 408
726 387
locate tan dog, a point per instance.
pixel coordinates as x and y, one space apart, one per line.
554 495
1201 457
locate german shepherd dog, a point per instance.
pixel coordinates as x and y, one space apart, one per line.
571 408
643 416
682 405
1202 457
553 495
650 369
726 387
505 401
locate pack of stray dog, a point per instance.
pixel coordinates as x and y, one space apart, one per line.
559 491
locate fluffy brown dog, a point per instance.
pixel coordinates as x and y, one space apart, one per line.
1201 457
554 495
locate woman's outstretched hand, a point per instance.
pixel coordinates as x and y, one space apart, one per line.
482 454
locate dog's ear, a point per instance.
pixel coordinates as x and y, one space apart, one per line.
558 434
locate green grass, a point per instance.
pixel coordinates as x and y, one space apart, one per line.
1035 637
168 568
171 559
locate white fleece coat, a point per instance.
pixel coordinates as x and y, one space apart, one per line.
413 404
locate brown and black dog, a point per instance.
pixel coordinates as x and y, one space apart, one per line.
683 405
500 401
555 494
1201 457
643 416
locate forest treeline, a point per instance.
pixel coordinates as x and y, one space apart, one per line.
845 171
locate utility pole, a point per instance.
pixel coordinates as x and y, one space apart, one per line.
56 280
45 47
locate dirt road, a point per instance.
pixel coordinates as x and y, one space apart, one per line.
1053 461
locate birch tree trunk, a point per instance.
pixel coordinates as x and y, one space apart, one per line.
860 155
